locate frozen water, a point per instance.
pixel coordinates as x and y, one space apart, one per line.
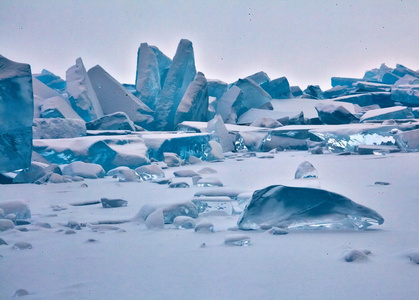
253 114
214 151
204 227
335 81
207 170
211 205
333 114
397 112
51 80
147 82
58 128
237 240
305 208
124 174
406 94
313 92
345 138
408 140
306 170
17 207
179 185
365 86
253 95
81 93
150 172
266 122
229 104
111 203
194 103
220 134
56 107
179 209
6 224
185 173
16 114
85 170
183 222
115 121
260 78
278 88
356 255
34 172
22 245
181 73
383 99
216 88
209 182
113 97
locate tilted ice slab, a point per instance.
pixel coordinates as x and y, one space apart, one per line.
16 115
341 138
305 208
81 93
397 112
108 151
253 114
51 80
113 97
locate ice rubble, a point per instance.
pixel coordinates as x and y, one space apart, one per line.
305 208
16 114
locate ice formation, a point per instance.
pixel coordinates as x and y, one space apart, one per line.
229 104
16 113
115 121
305 208
253 95
306 170
181 73
278 88
58 128
85 170
81 94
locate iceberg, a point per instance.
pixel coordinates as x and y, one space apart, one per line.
147 82
16 114
278 88
305 208
253 96
81 93
115 121
181 73
194 103
113 97
58 128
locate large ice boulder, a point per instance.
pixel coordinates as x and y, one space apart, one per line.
51 80
81 93
229 104
35 172
116 121
181 73
305 208
406 94
335 114
113 97
313 92
194 104
253 95
18 208
147 82
163 62
85 170
278 88
16 114
220 134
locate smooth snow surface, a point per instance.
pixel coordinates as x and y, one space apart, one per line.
79 258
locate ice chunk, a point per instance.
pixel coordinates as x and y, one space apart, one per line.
406 94
408 140
333 113
81 93
35 172
377 74
183 222
214 151
179 185
305 208
150 172
207 170
253 95
172 159
397 112
296 117
306 170
179 209
335 81
229 104
336 92
6 224
115 121
17 207
346 137
51 80
220 134
296 91
277 231
155 220
406 80
313 92
211 205
113 97
259 77
266 122
204 227
401 71
185 173
181 73
56 107
237 240
216 88
85 170
356 255
111 203
278 88
58 128
194 104
288 138
383 99
209 182
378 150
365 86
164 63
124 174
147 82
22 245
16 114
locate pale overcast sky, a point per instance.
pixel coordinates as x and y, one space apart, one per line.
308 41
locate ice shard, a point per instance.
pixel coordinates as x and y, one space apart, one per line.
314 92
16 115
253 95
278 88
81 93
51 80
305 208
163 62
181 73
229 104
334 114
113 97
147 82
194 103
219 133
306 170
56 107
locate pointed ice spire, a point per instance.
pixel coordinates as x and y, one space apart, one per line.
181 73
81 93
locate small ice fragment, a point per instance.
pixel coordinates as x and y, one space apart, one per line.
74 225
44 225
22 246
277 231
162 181
306 170
207 170
70 231
172 159
211 205
209 182
124 174
185 173
414 257
110 203
178 185
381 183
150 172
6 224
195 179
184 222
237 240
3 242
357 255
204 227
102 227
380 152
155 220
